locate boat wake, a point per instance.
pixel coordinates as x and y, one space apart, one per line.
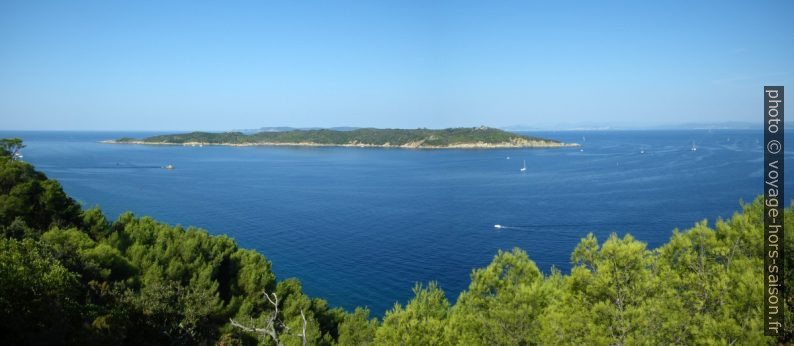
565 225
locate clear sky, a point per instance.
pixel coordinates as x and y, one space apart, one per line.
202 65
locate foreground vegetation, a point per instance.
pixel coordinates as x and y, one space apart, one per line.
70 276
420 138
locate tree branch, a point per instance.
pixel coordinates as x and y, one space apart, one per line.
274 324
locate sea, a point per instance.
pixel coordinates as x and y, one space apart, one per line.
361 226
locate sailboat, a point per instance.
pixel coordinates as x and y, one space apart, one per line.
694 148
524 169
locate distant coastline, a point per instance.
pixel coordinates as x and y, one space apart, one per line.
454 138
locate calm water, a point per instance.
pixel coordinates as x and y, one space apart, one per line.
360 226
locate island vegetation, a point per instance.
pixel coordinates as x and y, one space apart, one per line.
69 275
476 137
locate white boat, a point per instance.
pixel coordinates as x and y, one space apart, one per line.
642 151
524 169
497 226
169 167
18 156
694 148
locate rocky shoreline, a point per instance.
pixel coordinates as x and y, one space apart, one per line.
411 145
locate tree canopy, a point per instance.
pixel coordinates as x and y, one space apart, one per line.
11 146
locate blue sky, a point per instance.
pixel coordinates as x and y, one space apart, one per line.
200 65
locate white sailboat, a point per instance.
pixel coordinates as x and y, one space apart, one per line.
524 169
694 148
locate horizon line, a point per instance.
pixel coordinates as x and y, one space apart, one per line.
656 128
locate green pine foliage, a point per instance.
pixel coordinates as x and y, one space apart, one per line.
39 296
70 276
421 322
357 328
503 303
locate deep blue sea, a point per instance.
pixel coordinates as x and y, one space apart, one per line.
359 226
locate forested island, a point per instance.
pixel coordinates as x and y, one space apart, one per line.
69 275
475 137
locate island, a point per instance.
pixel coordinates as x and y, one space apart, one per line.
465 138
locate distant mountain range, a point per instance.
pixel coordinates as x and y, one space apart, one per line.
728 125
